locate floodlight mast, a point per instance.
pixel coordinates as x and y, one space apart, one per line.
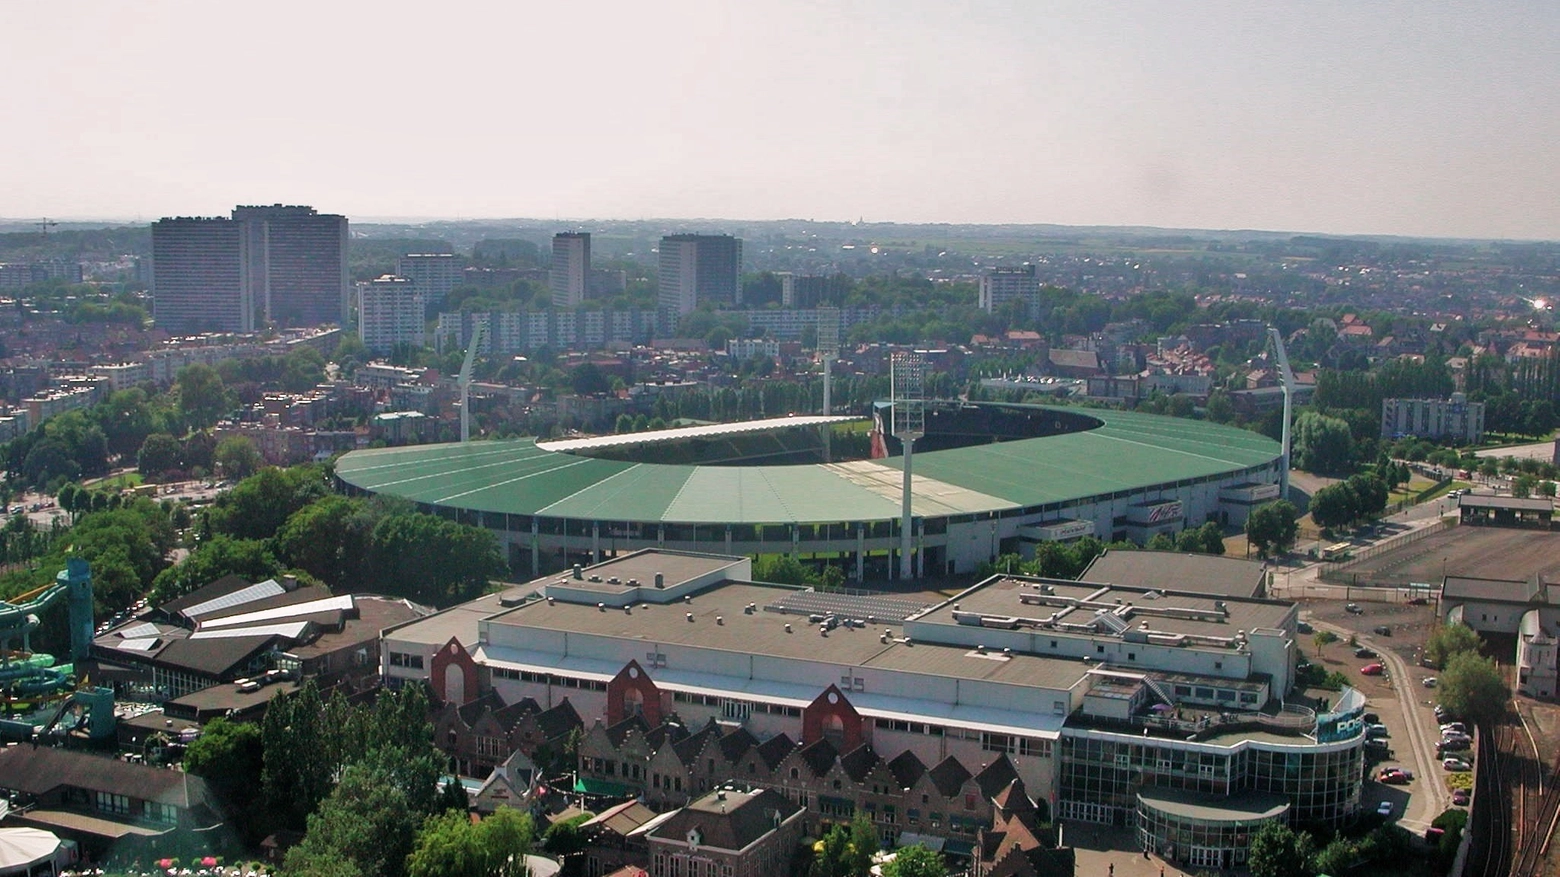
828 350
906 385
1287 378
478 328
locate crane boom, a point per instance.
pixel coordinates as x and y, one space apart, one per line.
1287 378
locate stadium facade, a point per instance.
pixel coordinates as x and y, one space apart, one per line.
988 480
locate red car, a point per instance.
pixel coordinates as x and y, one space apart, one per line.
1373 669
1460 797
1394 778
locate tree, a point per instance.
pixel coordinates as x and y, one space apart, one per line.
846 851
451 845
915 860
1279 851
587 379
258 506
780 569
202 396
1272 527
230 756
1337 857
1323 638
1161 542
1370 492
1323 444
1522 486
160 453
1212 538
1473 688
1334 505
236 457
216 557
329 538
1448 640
365 823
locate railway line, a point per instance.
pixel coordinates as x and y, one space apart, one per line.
1519 799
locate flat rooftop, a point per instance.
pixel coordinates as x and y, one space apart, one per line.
1242 807
1175 571
1165 611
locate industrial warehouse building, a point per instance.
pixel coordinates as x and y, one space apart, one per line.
987 480
1174 712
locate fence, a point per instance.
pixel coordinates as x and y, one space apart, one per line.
1338 574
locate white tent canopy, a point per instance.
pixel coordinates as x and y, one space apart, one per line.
21 848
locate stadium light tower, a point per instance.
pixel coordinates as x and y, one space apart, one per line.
1287 378
906 387
464 380
828 349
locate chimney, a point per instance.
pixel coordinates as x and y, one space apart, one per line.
579 571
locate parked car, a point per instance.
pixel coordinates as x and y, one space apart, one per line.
1373 670
1454 746
1363 652
1394 778
1461 797
1378 744
1377 731
1304 627
1459 727
1353 609
1442 714
1384 808
1455 738
246 685
1372 719
1419 601
1455 764
1430 681
1382 629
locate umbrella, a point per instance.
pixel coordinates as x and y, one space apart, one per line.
209 862
1163 707
165 863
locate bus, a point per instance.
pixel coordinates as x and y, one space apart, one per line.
1336 552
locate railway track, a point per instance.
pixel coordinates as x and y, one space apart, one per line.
1519 802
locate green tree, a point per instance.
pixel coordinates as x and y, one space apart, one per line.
433 560
160 453
365 823
915 860
230 756
1212 538
1522 486
1448 640
587 379
1279 851
258 506
780 569
1335 505
1323 638
1161 542
1323 444
329 538
214 558
1472 687
451 845
236 457
202 397
1371 493
1272 527
1337 857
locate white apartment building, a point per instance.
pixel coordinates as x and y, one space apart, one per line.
390 312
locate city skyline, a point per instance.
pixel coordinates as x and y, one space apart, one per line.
1314 117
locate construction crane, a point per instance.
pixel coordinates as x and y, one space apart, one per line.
464 381
1287 378
45 225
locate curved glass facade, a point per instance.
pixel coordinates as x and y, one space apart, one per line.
1101 773
1203 835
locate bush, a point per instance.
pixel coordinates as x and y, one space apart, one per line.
1460 780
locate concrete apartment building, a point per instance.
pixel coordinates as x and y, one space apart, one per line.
297 263
1456 419
699 268
435 275
1001 286
282 265
390 312
1134 706
569 276
200 276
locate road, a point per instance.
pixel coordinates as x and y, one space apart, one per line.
1415 721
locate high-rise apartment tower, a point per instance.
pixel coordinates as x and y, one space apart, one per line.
570 272
699 268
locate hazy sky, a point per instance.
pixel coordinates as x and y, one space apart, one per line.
1346 117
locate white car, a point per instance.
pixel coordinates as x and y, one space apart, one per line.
1456 764
1384 808
1459 727
1431 681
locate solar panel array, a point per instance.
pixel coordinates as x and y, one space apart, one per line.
267 588
138 631
144 644
879 607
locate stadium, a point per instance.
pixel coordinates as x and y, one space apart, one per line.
987 479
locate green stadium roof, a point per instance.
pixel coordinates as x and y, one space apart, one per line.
1129 451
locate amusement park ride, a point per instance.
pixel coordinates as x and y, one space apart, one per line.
37 696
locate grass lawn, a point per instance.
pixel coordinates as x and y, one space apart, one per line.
116 482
